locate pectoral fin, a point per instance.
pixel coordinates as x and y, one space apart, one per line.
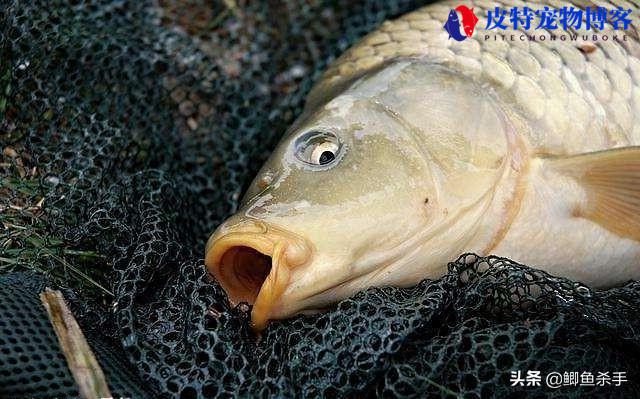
611 180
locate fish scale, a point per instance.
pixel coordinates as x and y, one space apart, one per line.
555 85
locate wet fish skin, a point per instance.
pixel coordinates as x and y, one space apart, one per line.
522 149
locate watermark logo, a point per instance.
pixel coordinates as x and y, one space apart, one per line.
469 21
594 23
563 18
555 379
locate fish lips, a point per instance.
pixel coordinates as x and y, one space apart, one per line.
253 262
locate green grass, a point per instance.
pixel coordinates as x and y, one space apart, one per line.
25 244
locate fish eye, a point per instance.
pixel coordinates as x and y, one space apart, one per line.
318 148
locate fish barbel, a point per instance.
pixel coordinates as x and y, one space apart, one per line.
414 148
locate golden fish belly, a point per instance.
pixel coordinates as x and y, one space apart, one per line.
548 233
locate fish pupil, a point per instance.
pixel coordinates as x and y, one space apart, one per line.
326 157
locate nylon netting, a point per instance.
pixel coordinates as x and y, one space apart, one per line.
129 130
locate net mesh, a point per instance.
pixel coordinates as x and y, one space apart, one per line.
129 130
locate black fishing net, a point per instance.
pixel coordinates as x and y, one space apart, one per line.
130 129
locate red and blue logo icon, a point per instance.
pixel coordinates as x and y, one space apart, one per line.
469 21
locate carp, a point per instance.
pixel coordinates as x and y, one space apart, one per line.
414 148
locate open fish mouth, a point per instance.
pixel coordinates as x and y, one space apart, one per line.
253 262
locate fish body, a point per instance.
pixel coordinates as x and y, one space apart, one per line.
469 19
414 148
452 26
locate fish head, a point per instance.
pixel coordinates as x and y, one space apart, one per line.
347 197
453 17
468 29
452 22
470 25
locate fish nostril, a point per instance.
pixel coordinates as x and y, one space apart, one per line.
243 270
265 180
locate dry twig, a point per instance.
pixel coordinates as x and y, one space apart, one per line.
81 361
